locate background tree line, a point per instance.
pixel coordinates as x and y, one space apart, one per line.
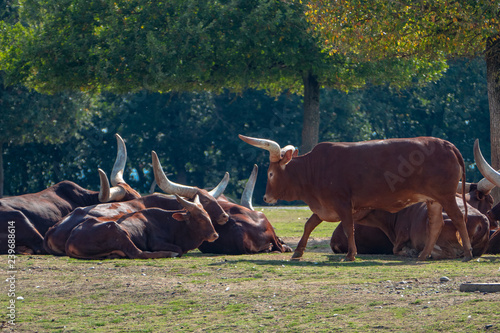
195 134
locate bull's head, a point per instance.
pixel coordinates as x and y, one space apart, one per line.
208 199
279 158
197 218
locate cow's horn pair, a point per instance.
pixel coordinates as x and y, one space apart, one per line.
115 193
492 177
246 196
186 191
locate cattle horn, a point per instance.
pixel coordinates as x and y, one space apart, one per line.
168 186
189 206
107 194
269 145
219 189
246 196
121 160
459 187
486 170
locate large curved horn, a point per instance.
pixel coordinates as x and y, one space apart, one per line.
107 194
219 189
246 196
486 170
168 186
121 160
269 145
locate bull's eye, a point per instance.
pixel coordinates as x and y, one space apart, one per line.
271 175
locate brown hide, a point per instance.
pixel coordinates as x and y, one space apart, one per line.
372 240
246 232
149 233
337 179
494 246
406 231
56 238
33 214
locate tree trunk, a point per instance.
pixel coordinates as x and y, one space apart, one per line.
1 170
493 82
310 124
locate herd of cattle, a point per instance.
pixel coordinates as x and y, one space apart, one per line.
396 196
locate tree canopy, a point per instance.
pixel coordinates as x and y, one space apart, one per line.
187 45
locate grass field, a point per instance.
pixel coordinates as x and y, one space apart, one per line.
253 293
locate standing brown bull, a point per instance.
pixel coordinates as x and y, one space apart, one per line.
337 180
381 232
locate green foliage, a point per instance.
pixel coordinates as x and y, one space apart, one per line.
195 134
386 29
182 45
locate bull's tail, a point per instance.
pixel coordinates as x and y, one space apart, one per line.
462 165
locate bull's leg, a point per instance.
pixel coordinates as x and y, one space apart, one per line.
457 217
310 225
95 240
348 224
435 214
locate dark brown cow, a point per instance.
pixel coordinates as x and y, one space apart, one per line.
57 236
33 214
148 233
409 225
494 246
247 231
337 180
404 233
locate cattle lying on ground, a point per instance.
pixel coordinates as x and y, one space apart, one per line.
403 233
56 238
31 215
148 233
337 180
247 231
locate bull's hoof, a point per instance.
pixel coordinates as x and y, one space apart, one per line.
468 258
422 257
350 258
297 256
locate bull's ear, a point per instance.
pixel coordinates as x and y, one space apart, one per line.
181 216
287 157
295 152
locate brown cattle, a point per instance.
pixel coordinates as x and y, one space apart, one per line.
337 180
247 231
410 224
56 238
404 233
494 246
31 215
148 233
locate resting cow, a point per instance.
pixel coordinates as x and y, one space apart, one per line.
337 180
405 229
33 214
148 233
405 233
56 238
247 231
